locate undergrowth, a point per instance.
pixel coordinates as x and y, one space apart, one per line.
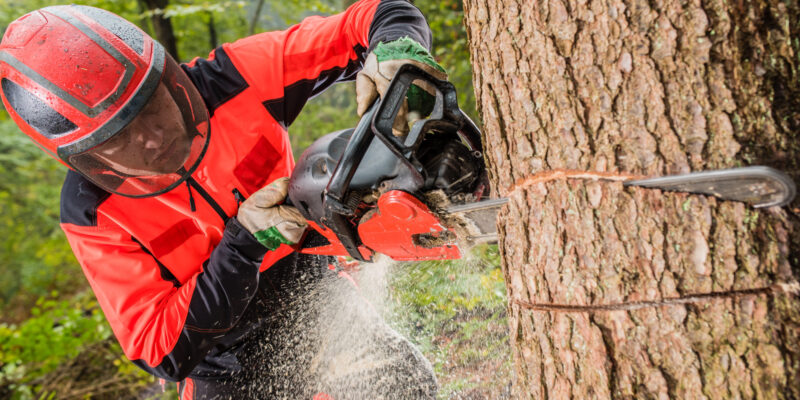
65 350
455 311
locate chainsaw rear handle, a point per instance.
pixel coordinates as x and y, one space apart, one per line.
445 114
378 121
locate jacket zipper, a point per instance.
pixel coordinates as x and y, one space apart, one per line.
238 196
210 200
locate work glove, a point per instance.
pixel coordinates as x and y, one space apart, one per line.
271 223
379 69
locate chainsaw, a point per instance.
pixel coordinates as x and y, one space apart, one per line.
420 197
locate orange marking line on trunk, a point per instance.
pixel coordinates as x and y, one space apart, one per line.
555 174
790 288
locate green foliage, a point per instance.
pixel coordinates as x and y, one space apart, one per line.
445 18
11 10
279 15
436 291
57 332
332 111
231 20
66 350
190 10
34 255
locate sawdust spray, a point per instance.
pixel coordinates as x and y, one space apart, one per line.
333 340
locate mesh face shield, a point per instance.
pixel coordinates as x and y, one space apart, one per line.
159 148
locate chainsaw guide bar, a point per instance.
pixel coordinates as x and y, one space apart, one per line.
757 186
481 217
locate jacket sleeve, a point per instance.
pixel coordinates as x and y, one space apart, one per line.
291 66
164 327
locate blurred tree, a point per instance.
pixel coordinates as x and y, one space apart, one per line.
162 25
255 17
212 31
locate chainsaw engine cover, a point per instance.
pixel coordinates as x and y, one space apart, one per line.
315 167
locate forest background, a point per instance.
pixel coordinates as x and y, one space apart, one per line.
54 340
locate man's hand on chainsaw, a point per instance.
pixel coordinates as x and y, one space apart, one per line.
379 69
271 223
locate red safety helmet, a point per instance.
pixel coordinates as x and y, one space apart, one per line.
101 96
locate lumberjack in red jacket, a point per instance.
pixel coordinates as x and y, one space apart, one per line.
167 204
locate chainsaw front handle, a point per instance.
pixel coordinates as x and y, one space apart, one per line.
445 115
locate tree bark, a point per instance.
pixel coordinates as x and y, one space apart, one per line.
163 26
633 293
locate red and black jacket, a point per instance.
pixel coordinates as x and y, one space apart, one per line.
175 273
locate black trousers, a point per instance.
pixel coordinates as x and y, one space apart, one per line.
316 336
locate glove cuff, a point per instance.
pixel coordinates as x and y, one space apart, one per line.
405 48
238 237
271 238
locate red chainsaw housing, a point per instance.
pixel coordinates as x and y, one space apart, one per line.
334 248
391 229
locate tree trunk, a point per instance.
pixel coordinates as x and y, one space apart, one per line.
635 293
256 16
163 26
144 22
212 31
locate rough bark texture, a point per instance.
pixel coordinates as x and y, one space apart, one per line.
634 293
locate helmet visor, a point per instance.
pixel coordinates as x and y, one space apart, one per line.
159 148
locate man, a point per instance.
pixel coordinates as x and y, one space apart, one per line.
167 204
